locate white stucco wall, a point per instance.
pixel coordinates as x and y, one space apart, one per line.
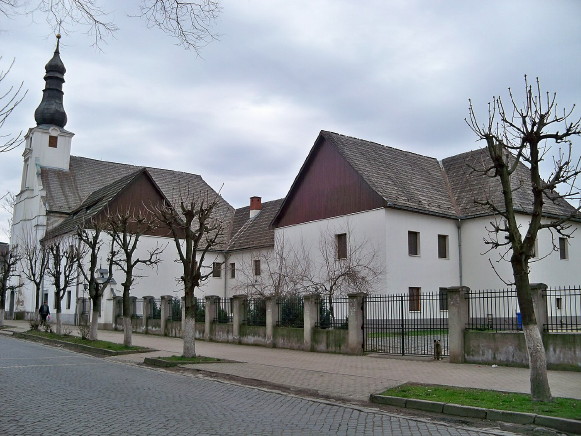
244 265
426 270
549 269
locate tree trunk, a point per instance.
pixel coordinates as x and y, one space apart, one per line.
189 336
59 324
93 334
127 330
540 389
1 316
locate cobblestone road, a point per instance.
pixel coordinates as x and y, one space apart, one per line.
47 390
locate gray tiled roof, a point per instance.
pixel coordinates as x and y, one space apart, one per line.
469 187
255 232
405 180
94 204
67 190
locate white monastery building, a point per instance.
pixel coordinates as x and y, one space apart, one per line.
414 215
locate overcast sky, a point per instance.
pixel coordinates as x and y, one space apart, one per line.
247 112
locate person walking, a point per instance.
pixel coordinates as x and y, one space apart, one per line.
44 312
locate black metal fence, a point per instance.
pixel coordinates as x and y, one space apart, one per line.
155 309
406 324
333 313
175 309
291 312
255 312
498 310
223 311
563 309
495 310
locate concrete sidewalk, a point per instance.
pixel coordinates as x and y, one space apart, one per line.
340 376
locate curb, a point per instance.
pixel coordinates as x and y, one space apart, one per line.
77 347
562 424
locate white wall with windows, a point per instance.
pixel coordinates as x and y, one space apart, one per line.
422 252
484 269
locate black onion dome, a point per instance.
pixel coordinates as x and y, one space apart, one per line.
51 110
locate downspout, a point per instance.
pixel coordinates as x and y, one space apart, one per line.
226 257
459 226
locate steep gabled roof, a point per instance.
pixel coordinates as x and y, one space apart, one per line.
405 180
96 202
67 190
471 187
254 232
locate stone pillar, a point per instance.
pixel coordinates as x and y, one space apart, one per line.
355 332
540 304
458 311
310 314
83 309
239 305
147 306
117 311
211 314
165 308
271 320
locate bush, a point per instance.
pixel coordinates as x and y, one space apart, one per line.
34 324
84 331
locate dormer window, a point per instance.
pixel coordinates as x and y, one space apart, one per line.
53 141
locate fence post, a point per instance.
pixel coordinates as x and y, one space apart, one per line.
311 310
355 320
211 314
165 301
458 312
271 320
146 312
239 303
540 304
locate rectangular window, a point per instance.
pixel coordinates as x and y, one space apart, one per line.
217 269
563 252
442 246
414 299
257 267
53 141
414 243
443 294
232 270
68 299
559 302
341 245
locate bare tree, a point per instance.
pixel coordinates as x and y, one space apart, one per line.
33 264
521 135
126 229
271 272
10 98
9 259
196 229
96 278
61 268
188 23
344 266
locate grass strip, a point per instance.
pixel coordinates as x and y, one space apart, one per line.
105 345
515 402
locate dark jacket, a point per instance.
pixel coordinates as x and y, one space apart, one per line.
44 310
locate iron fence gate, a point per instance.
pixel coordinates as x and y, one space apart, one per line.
406 324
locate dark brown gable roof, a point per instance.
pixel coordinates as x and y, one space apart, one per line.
95 203
256 232
66 190
405 180
469 186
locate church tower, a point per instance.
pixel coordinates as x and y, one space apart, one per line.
48 145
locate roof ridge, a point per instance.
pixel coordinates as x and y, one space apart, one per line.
135 166
377 143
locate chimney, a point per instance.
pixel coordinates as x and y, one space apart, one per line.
255 206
